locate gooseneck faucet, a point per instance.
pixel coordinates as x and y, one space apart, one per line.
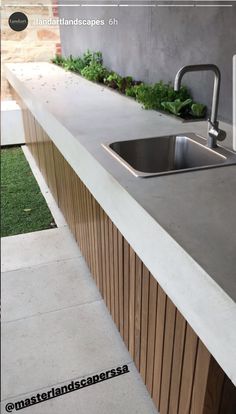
214 133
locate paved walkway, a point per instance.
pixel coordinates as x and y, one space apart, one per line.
56 330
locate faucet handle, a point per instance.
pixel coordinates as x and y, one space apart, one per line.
216 133
221 135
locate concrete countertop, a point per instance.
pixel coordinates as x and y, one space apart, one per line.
182 226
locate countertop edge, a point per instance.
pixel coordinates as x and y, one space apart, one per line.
199 298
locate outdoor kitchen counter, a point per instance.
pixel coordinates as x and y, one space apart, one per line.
182 226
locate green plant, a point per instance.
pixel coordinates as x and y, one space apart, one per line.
145 95
92 57
74 64
95 72
177 106
156 96
198 110
58 60
182 94
116 81
87 57
152 96
77 64
113 80
131 91
125 83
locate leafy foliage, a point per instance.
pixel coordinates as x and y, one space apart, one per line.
152 96
77 64
95 72
113 80
74 64
116 81
125 83
177 106
92 57
145 94
131 91
58 60
198 110
157 96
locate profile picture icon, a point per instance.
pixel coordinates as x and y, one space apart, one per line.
18 21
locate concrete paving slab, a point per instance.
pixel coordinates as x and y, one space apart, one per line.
36 248
124 394
46 288
57 346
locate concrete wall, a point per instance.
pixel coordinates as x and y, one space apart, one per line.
35 43
153 43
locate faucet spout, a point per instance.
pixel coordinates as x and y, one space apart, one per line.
214 132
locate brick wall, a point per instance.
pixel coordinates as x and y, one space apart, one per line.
35 43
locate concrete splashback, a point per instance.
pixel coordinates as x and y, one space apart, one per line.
153 43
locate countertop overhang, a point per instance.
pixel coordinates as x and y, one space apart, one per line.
182 226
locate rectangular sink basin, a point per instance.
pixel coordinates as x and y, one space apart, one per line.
147 157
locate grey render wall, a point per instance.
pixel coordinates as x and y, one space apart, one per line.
151 44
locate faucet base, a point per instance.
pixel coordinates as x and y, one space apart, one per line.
211 141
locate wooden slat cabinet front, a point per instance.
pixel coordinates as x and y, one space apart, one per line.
180 374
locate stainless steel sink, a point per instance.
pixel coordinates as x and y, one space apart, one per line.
170 154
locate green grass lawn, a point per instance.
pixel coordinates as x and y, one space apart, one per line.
23 207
